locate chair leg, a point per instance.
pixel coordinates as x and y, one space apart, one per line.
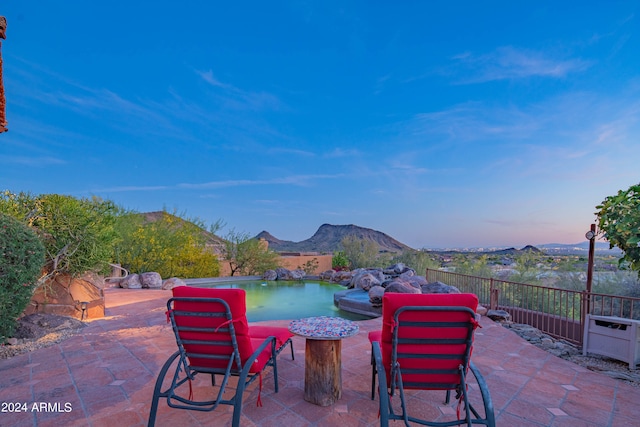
373 381
448 398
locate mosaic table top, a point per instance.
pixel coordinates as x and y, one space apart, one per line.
324 328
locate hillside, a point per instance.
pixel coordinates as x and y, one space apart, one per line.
211 240
328 239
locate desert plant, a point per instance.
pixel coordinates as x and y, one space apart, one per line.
339 261
362 253
418 260
21 263
248 256
170 245
78 234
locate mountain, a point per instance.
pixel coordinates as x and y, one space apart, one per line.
328 238
580 248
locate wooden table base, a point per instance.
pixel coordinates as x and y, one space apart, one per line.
322 371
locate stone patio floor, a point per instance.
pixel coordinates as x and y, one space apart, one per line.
104 376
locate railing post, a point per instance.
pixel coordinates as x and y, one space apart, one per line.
493 295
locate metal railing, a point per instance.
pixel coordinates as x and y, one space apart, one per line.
558 312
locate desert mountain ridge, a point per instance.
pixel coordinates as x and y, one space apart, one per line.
328 239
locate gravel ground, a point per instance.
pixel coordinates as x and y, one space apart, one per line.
613 368
38 331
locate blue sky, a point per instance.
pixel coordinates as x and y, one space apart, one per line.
442 124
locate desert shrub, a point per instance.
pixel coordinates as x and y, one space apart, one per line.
418 260
363 253
247 256
78 234
21 263
339 261
170 246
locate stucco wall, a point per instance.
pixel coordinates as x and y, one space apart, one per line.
291 262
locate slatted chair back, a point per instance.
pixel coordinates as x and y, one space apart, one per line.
426 343
427 337
212 331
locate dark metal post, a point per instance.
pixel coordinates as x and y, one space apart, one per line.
592 245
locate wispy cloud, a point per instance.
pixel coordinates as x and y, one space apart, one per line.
340 152
508 63
296 180
235 97
32 161
283 150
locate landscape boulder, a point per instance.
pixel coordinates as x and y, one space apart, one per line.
402 287
79 297
439 288
498 315
364 281
270 275
151 280
173 282
132 281
375 296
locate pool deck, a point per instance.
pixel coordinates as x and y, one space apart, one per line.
105 377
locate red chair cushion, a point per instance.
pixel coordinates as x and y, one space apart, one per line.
236 299
262 332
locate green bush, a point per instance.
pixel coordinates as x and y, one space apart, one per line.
168 245
78 234
21 263
339 261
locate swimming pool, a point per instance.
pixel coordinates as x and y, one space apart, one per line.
284 300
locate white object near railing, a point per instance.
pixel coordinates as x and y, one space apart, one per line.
614 337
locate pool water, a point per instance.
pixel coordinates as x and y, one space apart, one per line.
284 300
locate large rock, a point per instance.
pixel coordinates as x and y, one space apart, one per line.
80 297
151 280
297 274
283 273
364 281
132 281
327 276
270 275
375 296
439 288
173 282
402 287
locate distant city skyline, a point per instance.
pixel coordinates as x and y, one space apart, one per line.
457 124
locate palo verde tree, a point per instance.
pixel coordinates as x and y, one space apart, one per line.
619 223
167 244
246 255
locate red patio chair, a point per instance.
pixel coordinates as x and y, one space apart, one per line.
426 343
214 337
